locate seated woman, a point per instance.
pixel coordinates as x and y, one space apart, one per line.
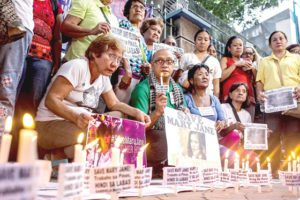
73 95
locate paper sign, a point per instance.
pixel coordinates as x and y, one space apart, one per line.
225 177
243 178
142 177
111 179
194 175
289 178
234 176
210 176
259 178
18 181
70 180
256 136
175 175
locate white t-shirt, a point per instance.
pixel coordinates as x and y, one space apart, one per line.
24 10
215 71
243 114
84 97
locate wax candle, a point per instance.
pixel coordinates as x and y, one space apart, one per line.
243 164
289 164
140 157
27 150
294 162
122 156
161 78
247 162
298 164
269 164
237 161
226 161
257 164
6 140
78 153
115 152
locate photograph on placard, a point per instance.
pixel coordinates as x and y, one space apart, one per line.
256 136
280 100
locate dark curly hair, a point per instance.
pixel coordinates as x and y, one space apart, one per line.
127 7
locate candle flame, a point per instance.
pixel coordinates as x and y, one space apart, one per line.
8 124
102 117
142 149
257 159
298 159
80 138
99 150
268 159
118 141
237 155
289 158
293 155
248 156
161 74
28 121
91 144
243 160
124 151
227 154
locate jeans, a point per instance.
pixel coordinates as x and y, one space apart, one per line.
37 77
12 59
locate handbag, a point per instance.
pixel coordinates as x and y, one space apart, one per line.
295 112
11 28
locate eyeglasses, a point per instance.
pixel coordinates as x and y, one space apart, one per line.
248 53
138 7
162 61
171 44
115 58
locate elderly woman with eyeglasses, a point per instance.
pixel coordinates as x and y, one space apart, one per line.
73 95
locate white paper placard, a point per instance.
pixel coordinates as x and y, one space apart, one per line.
70 180
111 179
259 178
210 176
280 100
194 175
234 176
18 181
175 175
142 177
225 177
182 130
256 136
289 178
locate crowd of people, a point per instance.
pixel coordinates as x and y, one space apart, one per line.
94 70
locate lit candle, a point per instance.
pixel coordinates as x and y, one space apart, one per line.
78 153
289 164
298 164
161 78
269 164
247 162
237 161
243 164
6 140
27 150
91 144
226 161
122 156
257 164
294 162
140 157
115 151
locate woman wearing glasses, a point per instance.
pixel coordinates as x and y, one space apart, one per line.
73 96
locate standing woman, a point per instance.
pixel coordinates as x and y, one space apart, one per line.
268 78
202 40
236 70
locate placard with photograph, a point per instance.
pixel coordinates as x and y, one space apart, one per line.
192 140
256 136
280 100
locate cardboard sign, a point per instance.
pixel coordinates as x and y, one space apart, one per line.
142 177
210 176
259 178
18 181
111 179
70 180
182 130
175 175
289 178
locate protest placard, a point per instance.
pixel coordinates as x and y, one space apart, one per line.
111 179
18 181
142 177
175 175
289 178
256 136
259 178
192 140
280 100
70 181
107 129
210 176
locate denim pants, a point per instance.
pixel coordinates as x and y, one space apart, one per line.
36 78
12 59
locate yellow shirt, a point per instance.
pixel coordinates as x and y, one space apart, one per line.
290 68
89 11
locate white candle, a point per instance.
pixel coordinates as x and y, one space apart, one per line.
298 165
122 156
247 162
78 153
237 161
226 161
115 152
294 162
257 164
289 164
161 78
140 157
269 164
27 150
6 141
